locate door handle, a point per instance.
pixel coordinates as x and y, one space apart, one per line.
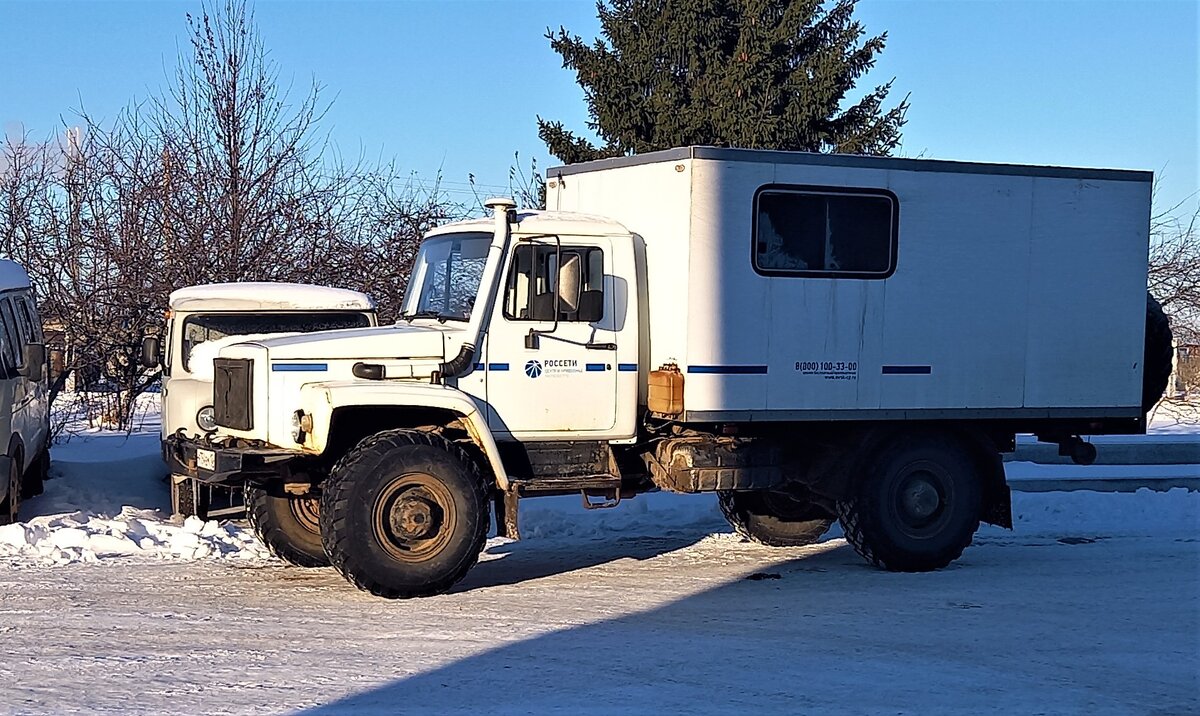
600 346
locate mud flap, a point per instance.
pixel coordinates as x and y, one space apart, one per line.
997 497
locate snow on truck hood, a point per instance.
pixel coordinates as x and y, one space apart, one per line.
264 296
396 341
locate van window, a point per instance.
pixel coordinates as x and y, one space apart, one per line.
14 347
24 322
822 232
530 292
28 307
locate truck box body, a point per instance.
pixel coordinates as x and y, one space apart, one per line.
793 286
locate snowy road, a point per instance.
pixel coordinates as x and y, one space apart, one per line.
1090 606
1043 620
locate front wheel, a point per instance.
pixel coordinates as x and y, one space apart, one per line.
916 506
35 479
404 514
787 518
189 499
289 525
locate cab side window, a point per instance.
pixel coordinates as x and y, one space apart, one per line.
531 290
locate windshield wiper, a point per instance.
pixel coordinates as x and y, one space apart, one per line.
441 317
422 314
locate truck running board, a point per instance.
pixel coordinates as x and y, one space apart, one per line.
607 488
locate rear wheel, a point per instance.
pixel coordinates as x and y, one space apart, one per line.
784 518
404 514
916 506
288 525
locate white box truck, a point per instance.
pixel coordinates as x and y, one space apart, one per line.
812 337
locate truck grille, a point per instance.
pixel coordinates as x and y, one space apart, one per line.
233 394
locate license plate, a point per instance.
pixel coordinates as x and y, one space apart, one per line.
206 459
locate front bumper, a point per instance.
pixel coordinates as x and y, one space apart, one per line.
218 465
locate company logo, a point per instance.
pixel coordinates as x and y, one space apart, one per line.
533 369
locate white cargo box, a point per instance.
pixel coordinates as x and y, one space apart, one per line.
794 286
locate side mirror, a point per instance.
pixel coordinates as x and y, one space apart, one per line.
569 282
35 361
150 351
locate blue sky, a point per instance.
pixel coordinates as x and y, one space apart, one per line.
455 86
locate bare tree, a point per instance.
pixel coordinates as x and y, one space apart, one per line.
1174 274
223 178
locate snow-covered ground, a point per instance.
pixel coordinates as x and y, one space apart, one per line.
1091 605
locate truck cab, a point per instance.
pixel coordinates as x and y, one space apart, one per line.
201 318
812 338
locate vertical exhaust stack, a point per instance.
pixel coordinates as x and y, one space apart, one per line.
503 209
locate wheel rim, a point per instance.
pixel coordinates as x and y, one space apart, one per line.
920 499
413 517
307 512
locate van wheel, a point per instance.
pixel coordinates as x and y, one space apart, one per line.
404 514
289 526
12 503
916 506
776 518
35 480
1156 361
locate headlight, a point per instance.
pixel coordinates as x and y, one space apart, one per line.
301 426
207 419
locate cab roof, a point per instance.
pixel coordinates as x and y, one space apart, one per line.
263 296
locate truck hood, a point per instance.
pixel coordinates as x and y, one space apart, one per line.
400 341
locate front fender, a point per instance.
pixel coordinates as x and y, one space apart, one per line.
320 400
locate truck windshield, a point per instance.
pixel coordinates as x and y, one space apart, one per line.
446 276
212 326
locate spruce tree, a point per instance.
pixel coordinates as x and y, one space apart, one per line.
764 74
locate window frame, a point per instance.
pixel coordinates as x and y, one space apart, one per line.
15 349
812 189
584 250
185 353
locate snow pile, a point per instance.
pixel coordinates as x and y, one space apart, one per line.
1174 512
1176 417
83 537
108 498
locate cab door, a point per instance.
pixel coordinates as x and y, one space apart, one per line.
550 358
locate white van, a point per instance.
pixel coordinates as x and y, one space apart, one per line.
24 404
215 313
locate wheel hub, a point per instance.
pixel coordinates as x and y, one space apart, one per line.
412 518
920 499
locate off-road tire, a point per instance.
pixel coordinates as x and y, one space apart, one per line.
35 479
184 500
12 504
880 528
287 536
379 472
1156 363
758 517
